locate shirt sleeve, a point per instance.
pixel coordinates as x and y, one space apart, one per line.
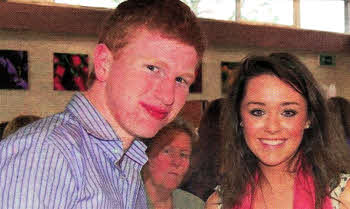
34 174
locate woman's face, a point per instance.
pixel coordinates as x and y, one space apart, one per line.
167 165
274 117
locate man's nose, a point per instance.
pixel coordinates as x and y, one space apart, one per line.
166 91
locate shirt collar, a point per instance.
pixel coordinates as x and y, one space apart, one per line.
94 123
137 152
113 149
90 118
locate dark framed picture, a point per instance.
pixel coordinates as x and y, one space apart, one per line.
196 87
228 74
13 69
70 72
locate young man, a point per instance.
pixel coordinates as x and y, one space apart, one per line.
89 156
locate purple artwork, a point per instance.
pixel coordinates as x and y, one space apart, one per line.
13 69
70 72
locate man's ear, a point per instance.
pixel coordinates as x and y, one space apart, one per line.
103 60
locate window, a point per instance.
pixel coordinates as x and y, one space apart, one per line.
271 11
104 3
213 9
326 15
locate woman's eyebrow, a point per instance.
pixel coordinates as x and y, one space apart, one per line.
290 103
256 103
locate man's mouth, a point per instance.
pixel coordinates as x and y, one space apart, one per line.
156 112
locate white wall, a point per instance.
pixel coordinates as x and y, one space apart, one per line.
42 100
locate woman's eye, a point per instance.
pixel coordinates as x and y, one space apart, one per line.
257 112
289 113
152 67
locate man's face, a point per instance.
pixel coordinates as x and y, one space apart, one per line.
148 83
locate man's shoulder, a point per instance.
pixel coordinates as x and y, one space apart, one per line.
52 131
48 143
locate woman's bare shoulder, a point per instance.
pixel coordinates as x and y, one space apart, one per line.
345 196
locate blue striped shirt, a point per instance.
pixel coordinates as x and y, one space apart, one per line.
73 159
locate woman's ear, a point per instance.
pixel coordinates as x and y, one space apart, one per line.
307 124
103 60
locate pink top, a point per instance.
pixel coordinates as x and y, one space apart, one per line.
304 194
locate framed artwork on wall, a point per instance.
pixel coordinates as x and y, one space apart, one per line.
70 72
229 72
13 69
196 87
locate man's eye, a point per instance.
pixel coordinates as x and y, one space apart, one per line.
257 112
152 67
181 80
185 155
289 113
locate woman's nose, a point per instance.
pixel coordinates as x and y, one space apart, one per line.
272 124
176 160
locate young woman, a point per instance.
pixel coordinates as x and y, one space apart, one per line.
280 150
169 155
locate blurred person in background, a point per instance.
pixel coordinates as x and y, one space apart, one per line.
17 123
205 172
169 157
2 128
340 109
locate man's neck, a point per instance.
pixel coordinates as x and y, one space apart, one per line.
96 100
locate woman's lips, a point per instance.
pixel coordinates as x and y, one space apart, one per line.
272 142
155 112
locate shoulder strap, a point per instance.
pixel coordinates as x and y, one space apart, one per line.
344 178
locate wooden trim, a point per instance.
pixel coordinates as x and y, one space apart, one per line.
228 34
51 19
86 21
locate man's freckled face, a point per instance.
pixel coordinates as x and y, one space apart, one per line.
149 83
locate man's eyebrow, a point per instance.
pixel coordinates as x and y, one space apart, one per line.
189 75
159 63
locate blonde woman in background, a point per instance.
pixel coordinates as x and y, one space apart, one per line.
169 156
